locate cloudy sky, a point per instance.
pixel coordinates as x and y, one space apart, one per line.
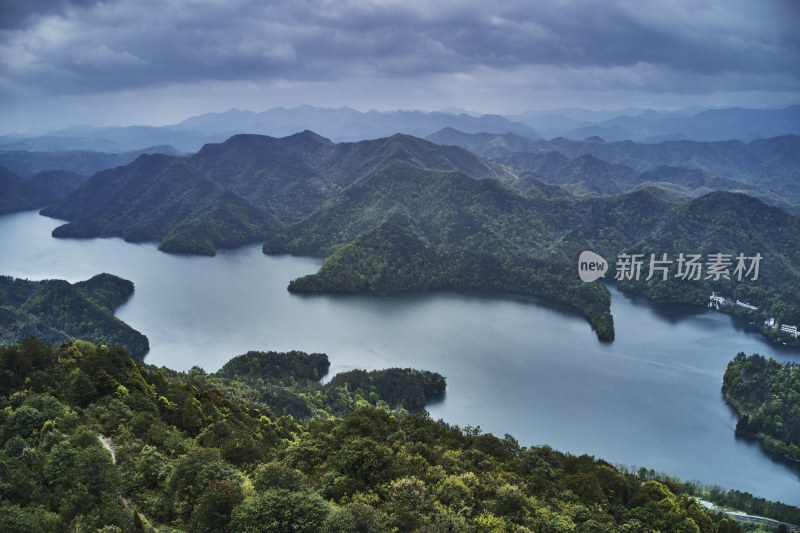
119 62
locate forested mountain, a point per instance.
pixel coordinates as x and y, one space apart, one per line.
765 168
401 213
239 191
13 197
56 311
17 194
110 139
289 384
733 223
187 457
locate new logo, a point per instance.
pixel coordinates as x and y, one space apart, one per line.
591 266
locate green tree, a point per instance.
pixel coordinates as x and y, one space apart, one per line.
281 511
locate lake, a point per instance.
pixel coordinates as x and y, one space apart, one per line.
513 364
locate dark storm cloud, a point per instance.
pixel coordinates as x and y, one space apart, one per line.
20 13
84 46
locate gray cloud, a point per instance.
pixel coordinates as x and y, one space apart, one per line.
20 13
83 46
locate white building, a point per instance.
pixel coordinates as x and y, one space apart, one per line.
792 330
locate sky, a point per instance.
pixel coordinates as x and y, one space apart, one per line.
157 62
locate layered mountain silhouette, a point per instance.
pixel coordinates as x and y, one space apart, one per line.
764 168
401 213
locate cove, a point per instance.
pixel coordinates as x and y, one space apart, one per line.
513 364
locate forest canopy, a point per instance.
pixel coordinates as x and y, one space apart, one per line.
766 395
188 458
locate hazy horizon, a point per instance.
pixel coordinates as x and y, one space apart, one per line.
563 111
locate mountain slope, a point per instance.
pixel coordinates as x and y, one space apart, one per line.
242 190
13 197
191 454
728 223
56 311
709 125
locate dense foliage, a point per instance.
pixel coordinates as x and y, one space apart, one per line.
289 383
731 498
186 458
766 394
28 162
56 311
715 223
276 366
400 388
389 259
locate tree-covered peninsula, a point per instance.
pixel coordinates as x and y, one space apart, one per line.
766 394
56 311
91 439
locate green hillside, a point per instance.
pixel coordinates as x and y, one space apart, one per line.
766 395
56 311
242 190
732 224
187 457
763 168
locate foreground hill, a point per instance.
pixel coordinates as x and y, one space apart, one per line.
57 311
187 457
401 213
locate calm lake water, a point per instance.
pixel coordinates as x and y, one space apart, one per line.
513 364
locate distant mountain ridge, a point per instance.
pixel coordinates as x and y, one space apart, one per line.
340 125
649 126
345 124
766 168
